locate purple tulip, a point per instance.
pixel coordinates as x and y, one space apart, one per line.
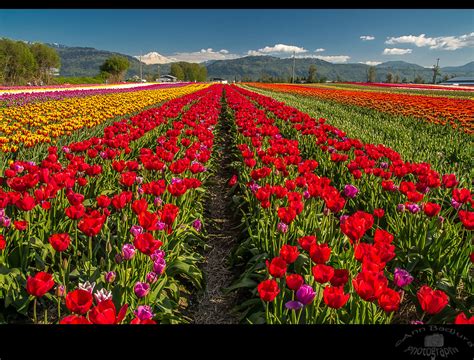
384 165
254 187
305 294
343 218
282 227
416 322
402 277
413 208
151 277
158 201
400 208
141 289
144 312
136 230
110 276
455 204
350 191
306 194
160 225
158 254
197 224
159 266
294 305
128 251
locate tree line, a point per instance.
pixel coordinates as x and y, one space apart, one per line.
189 71
22 63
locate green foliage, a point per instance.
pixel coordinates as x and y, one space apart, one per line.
371 74
312 73
17 63
46 58
115 66
189 71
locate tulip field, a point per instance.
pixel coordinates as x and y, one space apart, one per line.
352 207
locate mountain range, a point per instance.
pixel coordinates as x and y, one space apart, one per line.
85 61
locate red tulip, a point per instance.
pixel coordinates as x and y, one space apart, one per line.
322 273
431 209
389 300
432 301
103 201
39 284
340 277
369 285
320 253
3 243
467 219
306 242
79 301
462 318
334 297
74 320
277 267
268 290
356 225
128 178
91 224
137 321
294 281
75 212
59 242
289 253
105 313
20 225
233 180
146 243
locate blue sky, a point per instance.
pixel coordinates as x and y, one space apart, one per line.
417 36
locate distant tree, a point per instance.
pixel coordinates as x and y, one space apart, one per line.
396 79
17 63
115 67
404 80
436 72
389 77
46 59
202 74
445 78
419 79
371 74
177 70
323 79
338 78
312 73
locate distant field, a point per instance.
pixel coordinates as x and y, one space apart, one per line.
461 93
447 149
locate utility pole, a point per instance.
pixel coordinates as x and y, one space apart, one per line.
293 73
435 71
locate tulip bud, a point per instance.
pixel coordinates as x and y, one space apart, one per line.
110 276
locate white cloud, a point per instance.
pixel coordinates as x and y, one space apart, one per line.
337 59
370 63
367 37
320 50
440 42
204 55
396 51
277 49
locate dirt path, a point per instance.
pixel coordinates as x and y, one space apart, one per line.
213 307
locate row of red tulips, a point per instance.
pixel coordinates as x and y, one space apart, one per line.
111 220
324 209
